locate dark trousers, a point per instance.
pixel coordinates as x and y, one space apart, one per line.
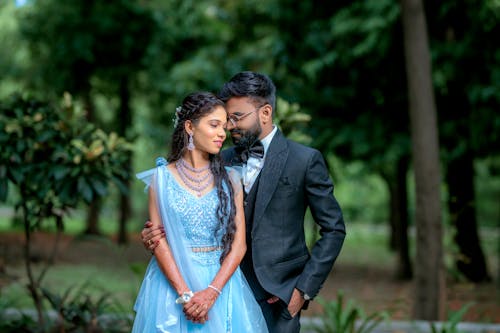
278 318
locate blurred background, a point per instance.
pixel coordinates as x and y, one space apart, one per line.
88 89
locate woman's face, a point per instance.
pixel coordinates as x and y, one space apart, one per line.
209 133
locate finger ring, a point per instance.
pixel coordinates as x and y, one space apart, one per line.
150 242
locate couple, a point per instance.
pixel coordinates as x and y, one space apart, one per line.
228 242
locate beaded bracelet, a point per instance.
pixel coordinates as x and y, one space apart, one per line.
215 288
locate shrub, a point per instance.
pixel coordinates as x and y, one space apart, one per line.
341 317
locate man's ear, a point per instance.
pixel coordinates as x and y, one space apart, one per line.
266 112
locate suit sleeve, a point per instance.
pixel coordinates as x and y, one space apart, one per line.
327 213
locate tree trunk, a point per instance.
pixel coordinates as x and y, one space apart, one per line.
461 194
33 286
124 216
93 213
393 212
94 209
460 174
124 125
429 269
398 202
403 268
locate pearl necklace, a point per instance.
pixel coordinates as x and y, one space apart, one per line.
198 182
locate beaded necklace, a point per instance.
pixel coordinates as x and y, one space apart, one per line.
198 182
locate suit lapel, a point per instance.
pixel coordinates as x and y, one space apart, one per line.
270 174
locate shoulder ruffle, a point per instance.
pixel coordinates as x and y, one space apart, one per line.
148 175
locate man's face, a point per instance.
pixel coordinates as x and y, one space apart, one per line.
243 121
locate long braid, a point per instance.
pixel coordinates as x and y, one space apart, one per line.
226 210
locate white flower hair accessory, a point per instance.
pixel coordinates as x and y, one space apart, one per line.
176 116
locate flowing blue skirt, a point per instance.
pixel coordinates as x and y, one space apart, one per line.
235 310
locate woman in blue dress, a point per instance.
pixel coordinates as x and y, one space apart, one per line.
193 282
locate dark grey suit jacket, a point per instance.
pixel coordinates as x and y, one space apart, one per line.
293 178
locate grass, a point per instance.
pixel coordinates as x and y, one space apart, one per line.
120 281
73 225
364 246
117 277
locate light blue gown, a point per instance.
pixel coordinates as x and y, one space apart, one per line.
190 222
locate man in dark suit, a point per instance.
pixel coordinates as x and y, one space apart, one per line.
281 180
279 187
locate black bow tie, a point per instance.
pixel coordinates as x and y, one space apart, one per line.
256 150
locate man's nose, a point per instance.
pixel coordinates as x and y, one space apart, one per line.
229 125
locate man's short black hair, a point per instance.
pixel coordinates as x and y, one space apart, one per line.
256 86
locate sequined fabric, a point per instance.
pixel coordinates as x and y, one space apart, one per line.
194 237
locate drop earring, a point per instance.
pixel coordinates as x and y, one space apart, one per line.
190 145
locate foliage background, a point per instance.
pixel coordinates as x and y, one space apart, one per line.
340 64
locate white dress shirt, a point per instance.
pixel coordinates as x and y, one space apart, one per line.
251 169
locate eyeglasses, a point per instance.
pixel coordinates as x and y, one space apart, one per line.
234 119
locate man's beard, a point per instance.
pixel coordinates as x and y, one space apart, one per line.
247 137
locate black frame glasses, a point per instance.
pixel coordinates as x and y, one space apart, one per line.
234 119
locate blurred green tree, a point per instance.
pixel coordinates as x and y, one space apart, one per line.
344 63
467 80
54 160
79 45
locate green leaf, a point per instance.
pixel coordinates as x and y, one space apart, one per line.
16 175
120 184
99 186
85 189
60 172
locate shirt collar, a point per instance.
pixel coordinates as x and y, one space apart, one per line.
267 140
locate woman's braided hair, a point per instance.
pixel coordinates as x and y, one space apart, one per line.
194 107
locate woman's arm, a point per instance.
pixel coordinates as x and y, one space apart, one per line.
162 252
166 260
203 300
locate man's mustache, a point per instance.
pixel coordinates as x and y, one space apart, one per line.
235 131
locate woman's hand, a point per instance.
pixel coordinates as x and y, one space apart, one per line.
197 308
